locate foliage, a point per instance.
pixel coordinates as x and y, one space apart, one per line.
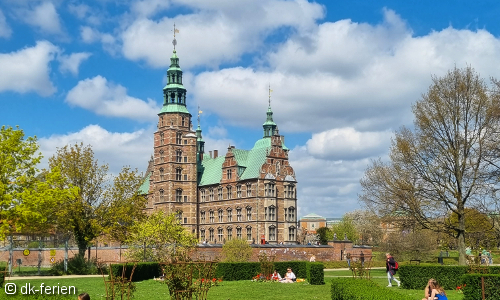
362 289
142 271
315 273
447 162
120 285
27 201
410 245
77 265
346 227
367 225
479 230
299 268
236 250
324 235
159 237
472 286
237 271
266 264
100 207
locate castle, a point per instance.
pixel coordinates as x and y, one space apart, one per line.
246 194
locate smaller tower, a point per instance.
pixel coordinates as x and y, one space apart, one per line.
269 125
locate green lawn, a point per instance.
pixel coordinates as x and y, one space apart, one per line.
233 290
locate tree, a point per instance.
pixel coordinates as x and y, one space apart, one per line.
347 228
479 229
26 200
445 164
324 235
367 225
236 250
99 206
159 237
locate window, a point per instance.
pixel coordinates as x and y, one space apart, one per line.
178 215
162 177
202 217
185 177
249 213
162 156
185 159
211 216
162 137
220 233
185 220
229 192
291 233
185 198
178 195
290 191
162 196
178 174
228 174
203 197
161 121
272 213
249 190
202 234
238 233
238 191
183 121
221 215
219 191
211 194
178 138
178 156
291 214
229 215
269 189
249 233
211 234
229 233
185 142
238 214
272 233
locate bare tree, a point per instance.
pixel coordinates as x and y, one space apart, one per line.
445 163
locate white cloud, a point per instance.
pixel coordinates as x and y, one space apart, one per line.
5 30
348 144
28 69
117 149
226 30
71 63
43 16
146 8
85 13
91 35
108 99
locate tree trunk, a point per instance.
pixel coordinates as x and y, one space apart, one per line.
461 238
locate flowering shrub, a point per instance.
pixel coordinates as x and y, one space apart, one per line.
460 288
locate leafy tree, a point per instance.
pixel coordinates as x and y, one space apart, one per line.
324 235
367 225
445 164
479 228
345 227
236 250
159 237
26 200
100 207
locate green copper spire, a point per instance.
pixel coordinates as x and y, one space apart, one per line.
174 93
200 143
269 125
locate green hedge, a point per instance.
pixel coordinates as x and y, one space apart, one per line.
315 273
143 270
362 289
237 271
472 289
299 268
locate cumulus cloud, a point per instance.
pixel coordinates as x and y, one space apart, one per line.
226 30
43 16
85 13
5 30
91 35
108 99
71 63
146 8
117 149
28 70
348 144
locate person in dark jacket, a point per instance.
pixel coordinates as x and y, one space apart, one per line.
390 265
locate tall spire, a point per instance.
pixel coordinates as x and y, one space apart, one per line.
269 125
200 143
174 93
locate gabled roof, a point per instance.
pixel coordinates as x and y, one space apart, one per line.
144 188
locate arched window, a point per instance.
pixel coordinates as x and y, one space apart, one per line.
202 195
238 233
220 213
229 233
161 174
291 233
178 174
272 233
211 234
229 192
178 195
211 194
229 215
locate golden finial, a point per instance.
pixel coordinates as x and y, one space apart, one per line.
174 42
270 94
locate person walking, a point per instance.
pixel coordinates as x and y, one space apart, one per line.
390 268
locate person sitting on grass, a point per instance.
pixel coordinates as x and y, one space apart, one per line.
276 276
289 276
433 291
83 296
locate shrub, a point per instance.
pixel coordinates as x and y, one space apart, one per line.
362 289
77 265
343 264
472 286
315 273
236 250
143 270
237 271
299 268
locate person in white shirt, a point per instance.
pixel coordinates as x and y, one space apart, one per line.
289 276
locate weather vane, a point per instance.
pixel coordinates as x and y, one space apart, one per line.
270 94
199 113
174 42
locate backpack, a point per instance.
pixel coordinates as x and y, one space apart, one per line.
396 265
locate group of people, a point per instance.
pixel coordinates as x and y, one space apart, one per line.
433 291
289 276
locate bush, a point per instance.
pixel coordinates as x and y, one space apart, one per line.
472 289
362 289
343 264
77 265
236 250
237 271
315 273
143 270
299 268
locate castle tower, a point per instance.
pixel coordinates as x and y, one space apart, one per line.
173 183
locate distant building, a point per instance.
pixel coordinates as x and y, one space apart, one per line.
311 222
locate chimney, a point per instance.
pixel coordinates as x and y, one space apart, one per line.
201 156
210 153
216 153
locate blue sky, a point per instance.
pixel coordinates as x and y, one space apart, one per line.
344 75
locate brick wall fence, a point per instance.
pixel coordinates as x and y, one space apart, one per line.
334 251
